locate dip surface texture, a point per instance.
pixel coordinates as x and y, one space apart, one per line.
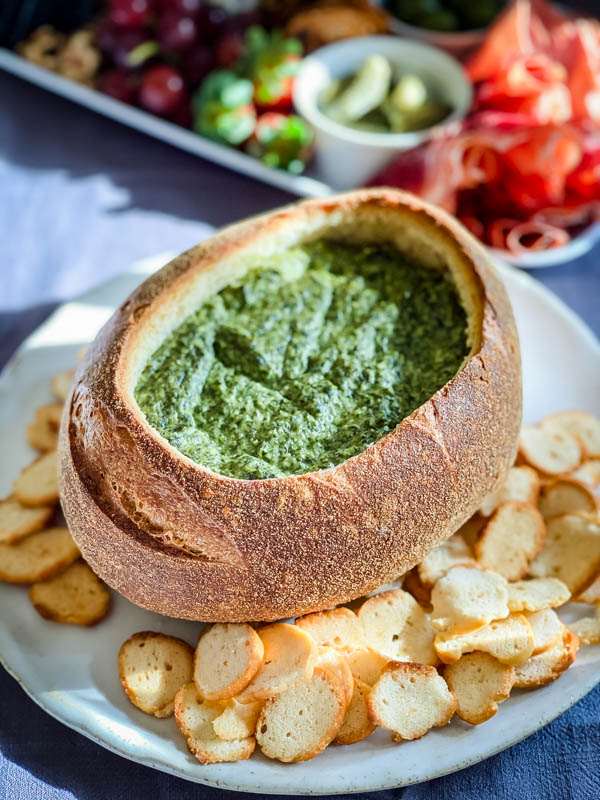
305 363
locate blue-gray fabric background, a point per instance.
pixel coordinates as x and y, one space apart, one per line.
82 197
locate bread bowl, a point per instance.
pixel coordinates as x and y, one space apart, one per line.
183 540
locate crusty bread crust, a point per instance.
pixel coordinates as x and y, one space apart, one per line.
181 540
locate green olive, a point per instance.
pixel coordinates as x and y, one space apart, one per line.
409 93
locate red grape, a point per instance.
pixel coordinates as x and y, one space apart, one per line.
162 90
176 32
197 64
118 84
128 13
229 48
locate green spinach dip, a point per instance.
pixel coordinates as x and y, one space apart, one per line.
306 362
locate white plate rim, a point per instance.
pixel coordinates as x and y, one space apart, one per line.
73 720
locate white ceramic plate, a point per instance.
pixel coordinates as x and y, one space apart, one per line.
71 672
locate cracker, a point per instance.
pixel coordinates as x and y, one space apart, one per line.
566 494
17 521
409 699
583 426
522 484
413 584
591 594
333 660
451 553
550 665
237 720
467 598
356 725
396 626
587 629
588 472
366 664
338 627
75 596
227 657
37 557
549 451
195 718
37 485
511 539
42 433
537 594
152 668
301 721
290 655
546 627
509 640
61 384
479 682
571 551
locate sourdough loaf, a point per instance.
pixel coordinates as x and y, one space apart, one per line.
176 538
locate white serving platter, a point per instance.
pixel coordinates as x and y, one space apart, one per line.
72 673
307 185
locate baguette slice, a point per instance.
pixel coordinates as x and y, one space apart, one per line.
522 484
37 557
591 594
397 627
17 521
366 664
301 721
588 473
227 657
537 594
153 667
75 596
409 699
587 629
42 433
549 451
549 665
547 629
195 718
333 660
509 640
479 682
37 485
290 655
564 495
583 426
468 598
451 553
338 627
357 724
237 720
511 539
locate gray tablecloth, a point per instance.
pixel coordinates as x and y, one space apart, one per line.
80 199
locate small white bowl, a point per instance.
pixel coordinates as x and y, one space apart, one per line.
346 158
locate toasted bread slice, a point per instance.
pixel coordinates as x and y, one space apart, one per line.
397 627
583 426
335 661
409 699
75 596
479 682
17 521
366 664
511 539
61 384
237 720
37 485
591 594
153 667
195 718
549 665
522 484
356 725
587 629
547 629
339 628
42 433
413 584
467 598
227 657
290 655
571 551
37 557
509 640
588 473
471 529
537 594
300 722
549 451
451 553
566 494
